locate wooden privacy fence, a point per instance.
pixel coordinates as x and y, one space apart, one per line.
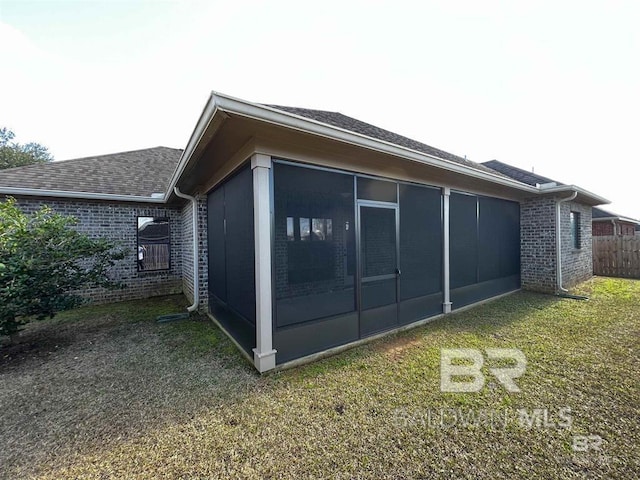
616 256
156 257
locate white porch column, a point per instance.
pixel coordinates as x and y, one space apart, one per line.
446 304
264 356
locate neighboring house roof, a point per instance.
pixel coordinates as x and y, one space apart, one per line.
530 178
354 125
135 173
600 215
519 174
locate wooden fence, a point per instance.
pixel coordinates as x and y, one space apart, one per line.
156 257
616 256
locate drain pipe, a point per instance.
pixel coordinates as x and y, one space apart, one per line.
560 289
194 208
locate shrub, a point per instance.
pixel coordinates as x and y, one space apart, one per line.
43 262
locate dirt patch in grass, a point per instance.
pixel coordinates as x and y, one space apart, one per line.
395 348
135 399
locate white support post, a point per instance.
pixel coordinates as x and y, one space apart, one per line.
264 356
446 304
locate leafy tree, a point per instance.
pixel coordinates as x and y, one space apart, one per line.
14 154
43 261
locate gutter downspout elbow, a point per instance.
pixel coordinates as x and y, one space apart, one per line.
559 287
196 286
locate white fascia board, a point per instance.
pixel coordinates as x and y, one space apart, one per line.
208 112
297 122
574 188
35 192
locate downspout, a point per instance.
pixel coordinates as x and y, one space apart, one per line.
613 224
559 288
194 208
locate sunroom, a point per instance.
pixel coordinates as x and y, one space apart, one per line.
319 237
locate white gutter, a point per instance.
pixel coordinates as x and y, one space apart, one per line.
560 288
82 195
196 286
573 188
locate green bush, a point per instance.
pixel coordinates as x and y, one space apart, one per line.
43 261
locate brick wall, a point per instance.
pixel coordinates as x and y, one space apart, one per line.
187 251
117 221
538 244
602 228
627 228
577 263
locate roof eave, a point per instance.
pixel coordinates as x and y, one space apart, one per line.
202 126
278 117
36 192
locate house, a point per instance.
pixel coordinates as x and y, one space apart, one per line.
607 223
603 222
304 231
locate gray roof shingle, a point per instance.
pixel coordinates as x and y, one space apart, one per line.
138 172
518 174
348 123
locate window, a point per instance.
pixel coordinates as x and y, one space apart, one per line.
311 229
575 229
153 244
291 236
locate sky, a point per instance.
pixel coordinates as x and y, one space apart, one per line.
552 86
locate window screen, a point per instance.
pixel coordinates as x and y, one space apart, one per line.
230 238
314 244
239 244
420 241
463 239
380 190
216 242
499 235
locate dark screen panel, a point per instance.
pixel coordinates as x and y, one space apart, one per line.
420 241
314 244
499 233
378 241
463 240
215 239
239 245
371 189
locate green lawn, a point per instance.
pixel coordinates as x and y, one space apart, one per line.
105 392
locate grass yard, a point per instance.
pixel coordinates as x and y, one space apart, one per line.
105 392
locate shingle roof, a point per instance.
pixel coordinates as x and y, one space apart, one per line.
138 172
348 123
518 174
600 213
